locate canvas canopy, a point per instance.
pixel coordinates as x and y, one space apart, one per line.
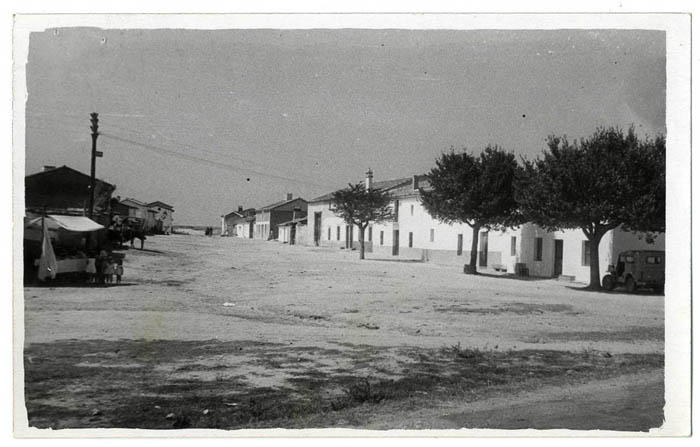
70 223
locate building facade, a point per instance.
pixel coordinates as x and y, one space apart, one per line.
268 218
161 216
414 234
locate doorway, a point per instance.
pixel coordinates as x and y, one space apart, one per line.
317 228
558 256
460 244
395 246
484 243
348 236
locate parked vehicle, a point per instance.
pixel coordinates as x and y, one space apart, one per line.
635 269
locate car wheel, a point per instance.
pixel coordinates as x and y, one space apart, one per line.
630 285
608 282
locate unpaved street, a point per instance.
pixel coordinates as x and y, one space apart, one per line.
231 333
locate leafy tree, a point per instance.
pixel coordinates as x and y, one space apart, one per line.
360 206
603 182
475 190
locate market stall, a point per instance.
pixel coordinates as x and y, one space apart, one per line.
58 244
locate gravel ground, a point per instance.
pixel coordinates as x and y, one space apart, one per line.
328 303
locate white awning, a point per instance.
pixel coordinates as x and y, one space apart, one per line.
76 223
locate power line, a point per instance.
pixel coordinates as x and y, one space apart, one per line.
169 152
69 122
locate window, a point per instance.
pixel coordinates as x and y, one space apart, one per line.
410 239
337 233
381 238
538 249
653 259
369 234
586 253
396 210
513 244
329 233
432 235
411 210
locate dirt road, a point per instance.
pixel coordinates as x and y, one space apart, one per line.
283 333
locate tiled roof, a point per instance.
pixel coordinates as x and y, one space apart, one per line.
383 185
161 204
275 205
408 190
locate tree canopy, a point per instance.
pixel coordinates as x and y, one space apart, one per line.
358 205
476 190
608 180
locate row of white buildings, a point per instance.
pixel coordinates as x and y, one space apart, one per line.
414 234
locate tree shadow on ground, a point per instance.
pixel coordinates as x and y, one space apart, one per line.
75 285
510 276
616 291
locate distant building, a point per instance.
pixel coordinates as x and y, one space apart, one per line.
137 209
162 217
269 217
228 227
66 191
244 226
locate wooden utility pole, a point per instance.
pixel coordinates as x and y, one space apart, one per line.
93 156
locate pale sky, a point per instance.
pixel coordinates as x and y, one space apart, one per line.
306 112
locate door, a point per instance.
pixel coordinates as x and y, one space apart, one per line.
395 246
250 230
460 244
317 228
558 256
348 236
484 243
292 234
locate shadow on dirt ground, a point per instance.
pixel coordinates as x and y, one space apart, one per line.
160 384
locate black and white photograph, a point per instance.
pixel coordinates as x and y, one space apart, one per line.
352 225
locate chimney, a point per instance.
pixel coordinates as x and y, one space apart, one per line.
289 196
48 168
240 209
415 183
368 180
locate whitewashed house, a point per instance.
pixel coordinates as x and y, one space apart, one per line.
414 234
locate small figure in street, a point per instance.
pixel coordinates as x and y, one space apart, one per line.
119 271
100 264
91 271
108 271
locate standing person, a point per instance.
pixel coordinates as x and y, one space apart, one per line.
119 271
108 270
100 267
91 270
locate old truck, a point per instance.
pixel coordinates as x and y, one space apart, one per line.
637 269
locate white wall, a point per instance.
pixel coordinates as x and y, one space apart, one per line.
328 220
611 245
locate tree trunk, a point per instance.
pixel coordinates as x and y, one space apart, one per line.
474 253
362 241
595 262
